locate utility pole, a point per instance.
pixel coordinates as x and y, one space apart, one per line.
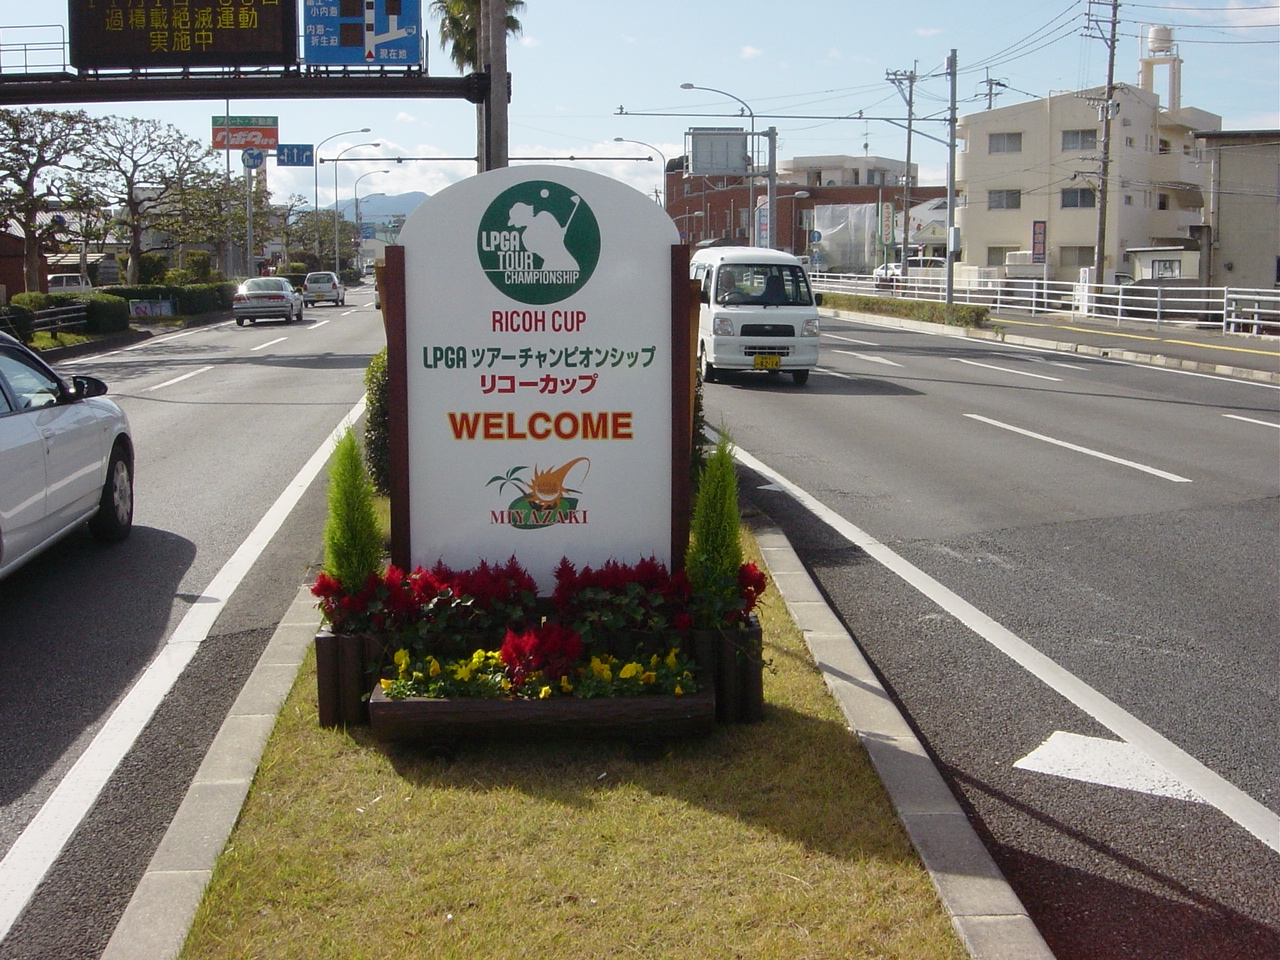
898 78
953 239
1108 110
991 89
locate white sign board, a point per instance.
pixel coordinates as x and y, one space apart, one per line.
538 325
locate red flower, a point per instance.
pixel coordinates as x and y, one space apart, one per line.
550 648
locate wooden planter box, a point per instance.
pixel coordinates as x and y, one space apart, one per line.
731 690
444 722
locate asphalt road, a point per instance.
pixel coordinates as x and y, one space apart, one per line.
1121 521
224 418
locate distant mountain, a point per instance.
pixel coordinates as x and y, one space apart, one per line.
383 207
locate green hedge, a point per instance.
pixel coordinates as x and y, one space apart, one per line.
926 311
107 314
189 300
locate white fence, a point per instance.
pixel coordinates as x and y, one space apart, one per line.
1235 310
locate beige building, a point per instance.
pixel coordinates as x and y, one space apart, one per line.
845 171
1028 178
1243 209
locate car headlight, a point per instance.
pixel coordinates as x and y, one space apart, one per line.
810 328
723 327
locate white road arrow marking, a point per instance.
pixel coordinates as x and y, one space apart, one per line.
868 358
1110 763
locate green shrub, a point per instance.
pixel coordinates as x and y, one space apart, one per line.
177 277
32 300
377 436
151 267
106 314
352 535
714 556
18 321
200 265
926 311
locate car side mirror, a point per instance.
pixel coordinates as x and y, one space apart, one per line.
84 387
817 299
704 296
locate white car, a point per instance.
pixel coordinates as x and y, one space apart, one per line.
69 283
324 285
265 298
887 271
66 457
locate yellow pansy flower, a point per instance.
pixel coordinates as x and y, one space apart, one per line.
565 685
433 667
402 662
671 658
648 677
544 693
629 671
386 684
679 692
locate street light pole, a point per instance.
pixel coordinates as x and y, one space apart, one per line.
659 153
355 191
315 164
751 178
337 260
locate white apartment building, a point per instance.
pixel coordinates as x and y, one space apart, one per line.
1028 177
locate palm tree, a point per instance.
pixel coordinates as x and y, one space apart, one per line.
458 34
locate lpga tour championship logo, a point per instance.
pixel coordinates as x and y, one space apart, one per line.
538 242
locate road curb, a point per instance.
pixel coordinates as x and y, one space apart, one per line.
155 924
988 916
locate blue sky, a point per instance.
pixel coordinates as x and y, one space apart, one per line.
578 61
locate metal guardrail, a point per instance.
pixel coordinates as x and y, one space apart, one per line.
1235 310
57 319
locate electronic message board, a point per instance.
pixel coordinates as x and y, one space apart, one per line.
131 35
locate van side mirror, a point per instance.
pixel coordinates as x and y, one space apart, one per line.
817 299
704 295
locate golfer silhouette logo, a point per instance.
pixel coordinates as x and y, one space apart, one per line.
538 242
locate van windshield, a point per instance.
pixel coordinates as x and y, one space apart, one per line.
762 284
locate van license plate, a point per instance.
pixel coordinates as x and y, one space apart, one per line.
768 362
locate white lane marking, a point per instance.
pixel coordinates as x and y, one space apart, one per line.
1021 373
1066 366
263 346
836 336
347 313
1261 423
1079 449
170 383
1108 763
40 844
868 358
836 373
318 323
1217 791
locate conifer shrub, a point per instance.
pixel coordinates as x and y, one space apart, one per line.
377 439
352 536
714 557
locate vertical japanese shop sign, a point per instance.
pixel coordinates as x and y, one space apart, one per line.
538 325
1039 234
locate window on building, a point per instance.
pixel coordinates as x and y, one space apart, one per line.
1128 142
1128 199
1165 147
1078 197
995 255
1004 143
1162 201
1079 139
1166 269
1075 256
1004 199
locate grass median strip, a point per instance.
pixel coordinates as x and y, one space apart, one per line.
768 840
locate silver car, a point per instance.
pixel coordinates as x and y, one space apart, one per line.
266 298
66 457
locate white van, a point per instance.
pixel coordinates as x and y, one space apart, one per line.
756 313
68 283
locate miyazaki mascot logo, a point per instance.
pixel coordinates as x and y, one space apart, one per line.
538 242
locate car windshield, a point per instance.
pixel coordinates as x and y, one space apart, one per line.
767 284
264 285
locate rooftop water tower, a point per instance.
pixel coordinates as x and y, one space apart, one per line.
1160 49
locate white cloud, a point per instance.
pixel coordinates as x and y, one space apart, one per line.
928 32
750 53
530 42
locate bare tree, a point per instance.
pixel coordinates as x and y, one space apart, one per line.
38 149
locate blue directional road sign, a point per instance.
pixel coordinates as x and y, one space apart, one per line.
376 33
295 155
253 158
